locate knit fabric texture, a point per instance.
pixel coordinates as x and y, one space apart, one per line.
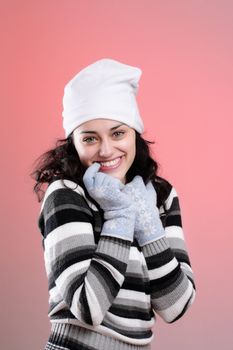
105 89
107 284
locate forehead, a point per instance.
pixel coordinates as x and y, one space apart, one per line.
99 125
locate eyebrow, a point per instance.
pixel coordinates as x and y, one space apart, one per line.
94 132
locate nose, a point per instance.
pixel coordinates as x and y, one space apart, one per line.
106 148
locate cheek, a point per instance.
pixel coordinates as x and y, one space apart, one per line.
84 154
83 159
130 148
132 154
128 143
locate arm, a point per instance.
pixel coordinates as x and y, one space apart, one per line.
171 276
87 276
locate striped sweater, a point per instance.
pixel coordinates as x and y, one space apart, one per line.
108 284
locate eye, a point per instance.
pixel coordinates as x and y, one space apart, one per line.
118 134
90 139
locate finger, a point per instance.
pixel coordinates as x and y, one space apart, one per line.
100 179
89 175
138 181
121 185
151 191
128 188
106 180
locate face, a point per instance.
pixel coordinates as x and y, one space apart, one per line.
108 142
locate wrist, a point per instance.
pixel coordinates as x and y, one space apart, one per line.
151 239
156 247
149 233
121 225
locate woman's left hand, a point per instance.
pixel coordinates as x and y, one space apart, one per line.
148 226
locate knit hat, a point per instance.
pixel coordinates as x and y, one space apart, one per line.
105 89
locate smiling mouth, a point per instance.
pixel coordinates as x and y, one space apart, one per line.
111 163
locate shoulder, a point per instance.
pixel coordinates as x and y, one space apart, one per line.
64 191
169 209
166 193
65 202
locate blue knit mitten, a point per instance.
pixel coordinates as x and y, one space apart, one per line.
118 208
148 226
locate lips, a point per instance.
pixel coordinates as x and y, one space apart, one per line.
110 164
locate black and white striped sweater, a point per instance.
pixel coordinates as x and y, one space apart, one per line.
107 284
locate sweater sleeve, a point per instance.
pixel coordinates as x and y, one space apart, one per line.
87 275
171 277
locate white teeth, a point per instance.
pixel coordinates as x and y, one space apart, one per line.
110 163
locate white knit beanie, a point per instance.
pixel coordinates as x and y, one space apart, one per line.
105 89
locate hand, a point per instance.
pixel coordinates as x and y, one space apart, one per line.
118 207
148 226
105 189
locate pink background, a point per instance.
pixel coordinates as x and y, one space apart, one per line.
185 49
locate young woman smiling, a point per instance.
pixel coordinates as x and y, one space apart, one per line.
108 143
114 247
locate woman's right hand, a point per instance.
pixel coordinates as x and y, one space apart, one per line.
105 189
119 211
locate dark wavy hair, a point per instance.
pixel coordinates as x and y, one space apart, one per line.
63 162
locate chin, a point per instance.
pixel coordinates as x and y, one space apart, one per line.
117 176
121 178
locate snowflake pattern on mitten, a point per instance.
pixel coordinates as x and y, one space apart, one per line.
148 225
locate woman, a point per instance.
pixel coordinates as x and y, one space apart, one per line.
113 243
